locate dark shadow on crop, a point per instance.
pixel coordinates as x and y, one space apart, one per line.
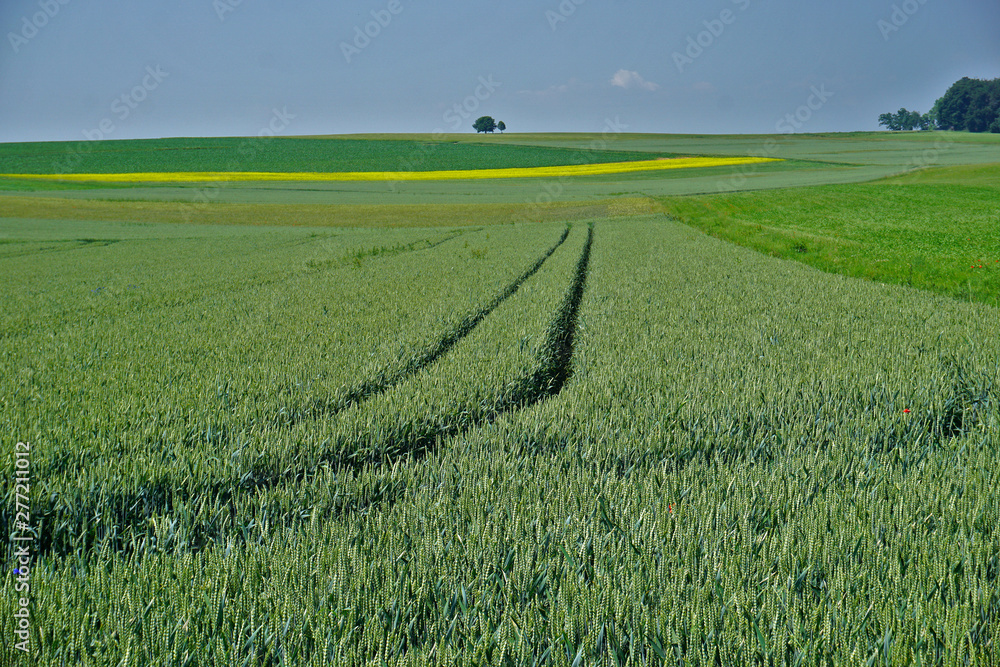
63 246
358 256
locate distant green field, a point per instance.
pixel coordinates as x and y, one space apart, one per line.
855 148
287 154
808 160
888 206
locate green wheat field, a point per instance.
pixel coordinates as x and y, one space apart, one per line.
718 416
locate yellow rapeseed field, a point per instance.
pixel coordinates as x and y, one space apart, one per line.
525 172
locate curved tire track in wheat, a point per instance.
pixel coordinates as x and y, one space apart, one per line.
132 512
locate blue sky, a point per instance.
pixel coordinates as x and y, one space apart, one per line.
117 69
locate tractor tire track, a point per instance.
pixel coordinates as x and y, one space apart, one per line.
384 251
78 244
554 368
389 379
132 512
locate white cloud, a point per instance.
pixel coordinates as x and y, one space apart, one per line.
626 79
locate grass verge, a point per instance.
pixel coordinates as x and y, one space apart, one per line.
937 230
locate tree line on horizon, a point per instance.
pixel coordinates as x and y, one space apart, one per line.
970 105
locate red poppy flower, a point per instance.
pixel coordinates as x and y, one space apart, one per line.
906 410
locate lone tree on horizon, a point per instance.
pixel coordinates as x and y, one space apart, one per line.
484 124
501 126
